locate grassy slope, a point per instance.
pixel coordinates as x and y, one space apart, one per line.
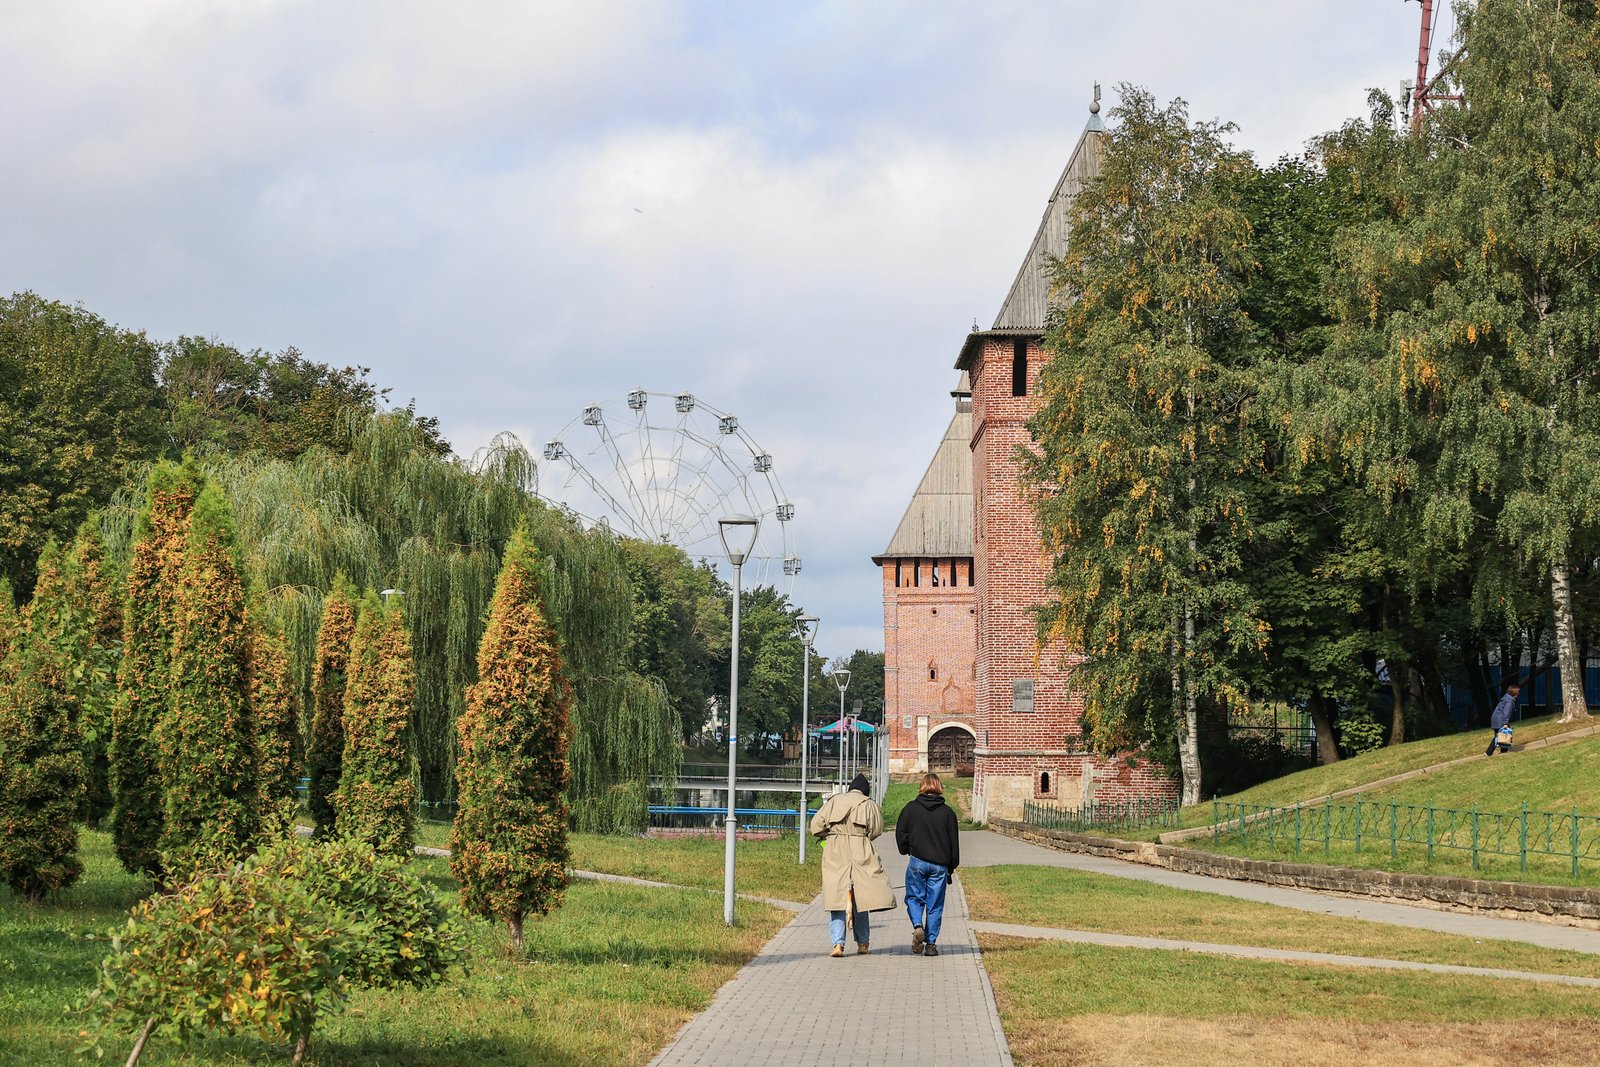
611 975
1049 896
1078 1004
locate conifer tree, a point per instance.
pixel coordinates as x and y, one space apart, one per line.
205 736
377 796
96 592
41 776
325 749
144 675
10 621
509 846
274 712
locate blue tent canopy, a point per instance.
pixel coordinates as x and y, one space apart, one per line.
841 725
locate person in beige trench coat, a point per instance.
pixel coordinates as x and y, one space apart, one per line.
848 823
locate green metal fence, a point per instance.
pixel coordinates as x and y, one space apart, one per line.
1386 825
1137 814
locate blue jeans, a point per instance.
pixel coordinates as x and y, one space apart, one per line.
836 921
925 886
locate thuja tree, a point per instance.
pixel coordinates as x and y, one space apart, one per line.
10 621
377 796
325 749
1140 431
275 713
97 592
41 776
509 846
205 735
144 676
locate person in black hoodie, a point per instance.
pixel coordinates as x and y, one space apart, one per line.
928 833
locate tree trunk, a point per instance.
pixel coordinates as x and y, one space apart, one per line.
1397 689
1574 705
1327 751
300 1045
515 922
1189 736
138 1046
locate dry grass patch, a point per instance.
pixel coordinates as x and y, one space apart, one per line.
1137 1040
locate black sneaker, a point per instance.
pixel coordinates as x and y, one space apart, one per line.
918 936
931 950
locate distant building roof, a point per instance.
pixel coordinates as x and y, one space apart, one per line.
1026 306
939 521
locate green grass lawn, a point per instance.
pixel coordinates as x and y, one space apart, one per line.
1052 896
610 977
1083 1004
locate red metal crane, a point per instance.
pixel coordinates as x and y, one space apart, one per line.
1422 96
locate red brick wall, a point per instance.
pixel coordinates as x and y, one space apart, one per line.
925 624
1010 574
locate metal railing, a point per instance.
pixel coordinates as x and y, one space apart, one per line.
1387 825
1139 813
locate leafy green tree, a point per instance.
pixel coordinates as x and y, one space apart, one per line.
144 676
79 412
377 795
275 713
769 670
509 846
679 631
1141 432
210 787
41 776
866 681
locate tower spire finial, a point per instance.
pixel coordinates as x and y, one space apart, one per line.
1094 105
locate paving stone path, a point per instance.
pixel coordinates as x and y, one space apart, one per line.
795 1006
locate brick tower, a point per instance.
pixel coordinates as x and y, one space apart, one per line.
1026 714
929 634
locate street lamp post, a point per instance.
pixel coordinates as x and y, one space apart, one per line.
841 678
808 634
738 533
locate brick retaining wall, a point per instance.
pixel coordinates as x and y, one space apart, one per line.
1566 905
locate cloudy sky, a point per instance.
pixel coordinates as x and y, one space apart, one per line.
511 209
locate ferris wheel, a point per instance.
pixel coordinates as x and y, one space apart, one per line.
664 468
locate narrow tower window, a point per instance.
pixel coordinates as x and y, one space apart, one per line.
1019 368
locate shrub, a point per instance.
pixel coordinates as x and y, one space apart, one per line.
144 675
1361 732
41 776
270 945
377 796
509 846
325 750
1239 761
206 739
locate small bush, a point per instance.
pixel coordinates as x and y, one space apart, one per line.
269 946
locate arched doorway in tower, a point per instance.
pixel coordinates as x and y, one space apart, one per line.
950 750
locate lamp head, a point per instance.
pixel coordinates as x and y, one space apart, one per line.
841 678
738 533
808 628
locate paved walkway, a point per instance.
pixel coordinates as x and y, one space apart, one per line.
985 848
795 1006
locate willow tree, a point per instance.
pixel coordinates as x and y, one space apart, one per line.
1140 431
509 846
377 796
325 750
392 513
144 675
205 734
41 776
275 713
